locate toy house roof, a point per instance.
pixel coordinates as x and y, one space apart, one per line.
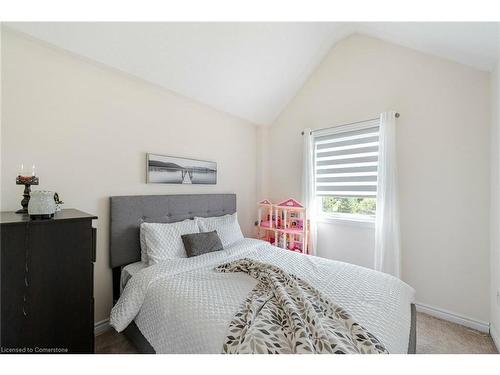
265 201
290 202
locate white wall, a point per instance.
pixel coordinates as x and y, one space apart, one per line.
88 128
495 207
443 147
263 143
347 241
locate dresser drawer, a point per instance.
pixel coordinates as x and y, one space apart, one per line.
15 289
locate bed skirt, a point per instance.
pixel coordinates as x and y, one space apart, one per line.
134 334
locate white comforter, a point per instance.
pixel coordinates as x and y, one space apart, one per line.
185 306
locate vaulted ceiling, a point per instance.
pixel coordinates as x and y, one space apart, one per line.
250 70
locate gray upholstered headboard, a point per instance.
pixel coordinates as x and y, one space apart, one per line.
128 212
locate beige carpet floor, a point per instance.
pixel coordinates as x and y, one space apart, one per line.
434 336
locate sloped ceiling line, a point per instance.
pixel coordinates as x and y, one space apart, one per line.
250 70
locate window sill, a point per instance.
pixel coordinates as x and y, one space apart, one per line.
358 222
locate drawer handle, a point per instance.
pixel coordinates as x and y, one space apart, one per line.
24 312
26 281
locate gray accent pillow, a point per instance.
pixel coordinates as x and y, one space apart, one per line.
201 243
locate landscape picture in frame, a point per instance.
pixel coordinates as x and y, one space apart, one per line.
162 169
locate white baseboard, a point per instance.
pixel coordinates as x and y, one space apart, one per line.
495 336
453 317
101 327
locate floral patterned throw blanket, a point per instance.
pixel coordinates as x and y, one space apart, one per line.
284 315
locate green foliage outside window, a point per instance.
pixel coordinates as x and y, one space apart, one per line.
355 205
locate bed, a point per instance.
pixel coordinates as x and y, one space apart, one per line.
184 306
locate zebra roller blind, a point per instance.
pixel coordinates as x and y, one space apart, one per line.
346 160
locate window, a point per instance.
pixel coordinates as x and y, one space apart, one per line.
346 161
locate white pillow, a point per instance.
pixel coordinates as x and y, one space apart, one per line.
144 249
227 227
163 241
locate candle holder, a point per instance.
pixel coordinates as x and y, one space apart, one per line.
27 181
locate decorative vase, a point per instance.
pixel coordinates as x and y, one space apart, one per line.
41 205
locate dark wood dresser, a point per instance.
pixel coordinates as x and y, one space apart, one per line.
47 283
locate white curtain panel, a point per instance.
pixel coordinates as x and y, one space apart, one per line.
308 193
387 237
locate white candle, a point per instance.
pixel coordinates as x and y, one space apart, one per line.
21 169
33 171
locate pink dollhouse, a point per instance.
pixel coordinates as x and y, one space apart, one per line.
283 225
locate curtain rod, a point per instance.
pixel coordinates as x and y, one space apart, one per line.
350 123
